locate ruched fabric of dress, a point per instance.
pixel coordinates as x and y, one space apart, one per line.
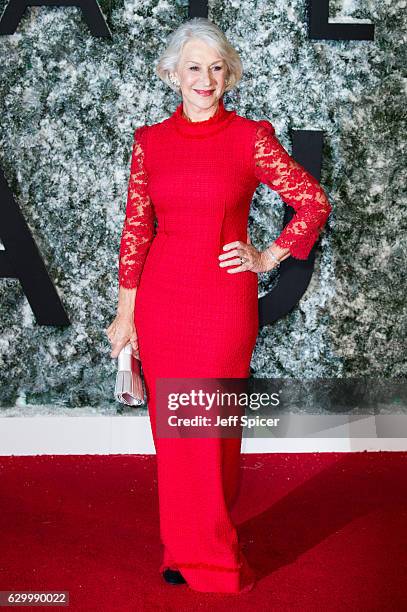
193 318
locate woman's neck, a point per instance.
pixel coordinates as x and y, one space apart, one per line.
199 119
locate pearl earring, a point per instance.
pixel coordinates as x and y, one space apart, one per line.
174 81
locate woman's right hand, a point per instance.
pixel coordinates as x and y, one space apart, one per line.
121 331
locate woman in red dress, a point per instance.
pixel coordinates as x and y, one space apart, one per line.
188 294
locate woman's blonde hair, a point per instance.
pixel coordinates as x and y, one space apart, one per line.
206 30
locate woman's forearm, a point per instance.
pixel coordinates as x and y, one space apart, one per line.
126 301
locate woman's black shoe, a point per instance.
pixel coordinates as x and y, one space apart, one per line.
173 576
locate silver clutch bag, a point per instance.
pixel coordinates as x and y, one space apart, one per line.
129 388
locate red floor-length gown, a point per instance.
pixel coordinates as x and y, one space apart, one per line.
193 318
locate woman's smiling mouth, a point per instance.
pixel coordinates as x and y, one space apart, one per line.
204 92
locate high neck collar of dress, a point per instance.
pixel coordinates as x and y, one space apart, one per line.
199 129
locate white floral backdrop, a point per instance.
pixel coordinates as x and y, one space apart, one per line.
70 103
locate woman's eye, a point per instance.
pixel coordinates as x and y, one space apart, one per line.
197 67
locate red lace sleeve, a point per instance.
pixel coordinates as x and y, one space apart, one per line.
138 226
296 187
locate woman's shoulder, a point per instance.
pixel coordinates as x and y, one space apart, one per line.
141 130
255 124
147 131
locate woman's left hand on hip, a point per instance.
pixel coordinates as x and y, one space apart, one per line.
240 256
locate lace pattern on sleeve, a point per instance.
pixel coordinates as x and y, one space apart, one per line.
138 227
296 187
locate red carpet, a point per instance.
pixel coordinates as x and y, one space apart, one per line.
322 531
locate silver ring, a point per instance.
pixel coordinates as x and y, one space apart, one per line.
242 260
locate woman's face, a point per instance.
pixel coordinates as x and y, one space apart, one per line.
201 69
